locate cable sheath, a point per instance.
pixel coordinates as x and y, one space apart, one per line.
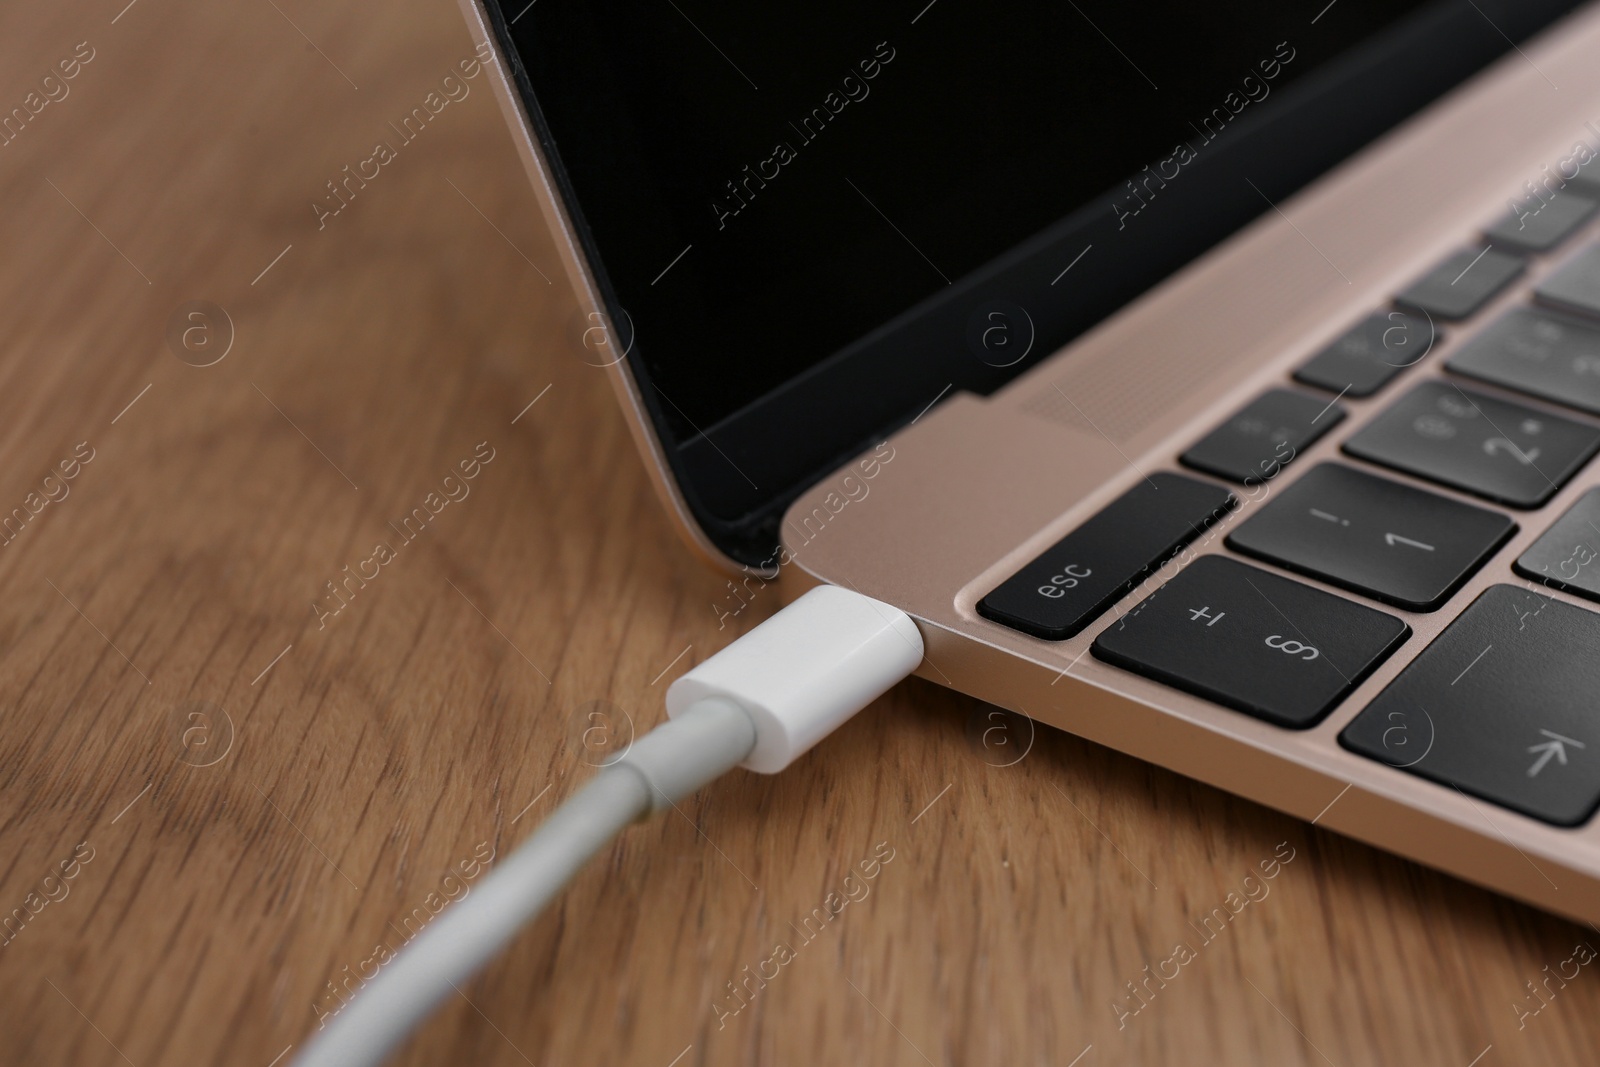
674 759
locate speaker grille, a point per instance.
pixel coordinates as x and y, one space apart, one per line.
1119 393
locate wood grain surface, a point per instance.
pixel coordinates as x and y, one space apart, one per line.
228 792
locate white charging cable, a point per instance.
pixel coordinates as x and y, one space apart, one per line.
762 702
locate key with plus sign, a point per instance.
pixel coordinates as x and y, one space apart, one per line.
1288 654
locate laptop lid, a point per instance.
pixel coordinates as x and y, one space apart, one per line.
809 225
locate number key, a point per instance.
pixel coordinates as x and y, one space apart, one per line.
1499 450
1394 542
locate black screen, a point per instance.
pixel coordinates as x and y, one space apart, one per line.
810 221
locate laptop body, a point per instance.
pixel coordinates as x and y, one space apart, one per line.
1251 435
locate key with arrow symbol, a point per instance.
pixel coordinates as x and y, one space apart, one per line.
1553 748
1392 539
1490 685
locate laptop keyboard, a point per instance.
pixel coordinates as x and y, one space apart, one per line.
1521 728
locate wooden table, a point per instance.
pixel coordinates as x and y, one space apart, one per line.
228 791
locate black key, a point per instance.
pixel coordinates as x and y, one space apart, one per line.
1542 224
1373 352
1261 440
1263 644
1087 571
1568 555
1585 179
1499 450
1398 544
1462 284
1538 352
1576 286
1501 706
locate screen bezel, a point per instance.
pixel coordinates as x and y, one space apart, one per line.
853 398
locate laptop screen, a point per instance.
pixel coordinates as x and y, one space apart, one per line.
811 222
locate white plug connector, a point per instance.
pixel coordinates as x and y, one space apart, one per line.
802 673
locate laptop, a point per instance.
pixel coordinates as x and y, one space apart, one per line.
1219 383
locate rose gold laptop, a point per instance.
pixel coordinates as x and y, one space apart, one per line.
1220 383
